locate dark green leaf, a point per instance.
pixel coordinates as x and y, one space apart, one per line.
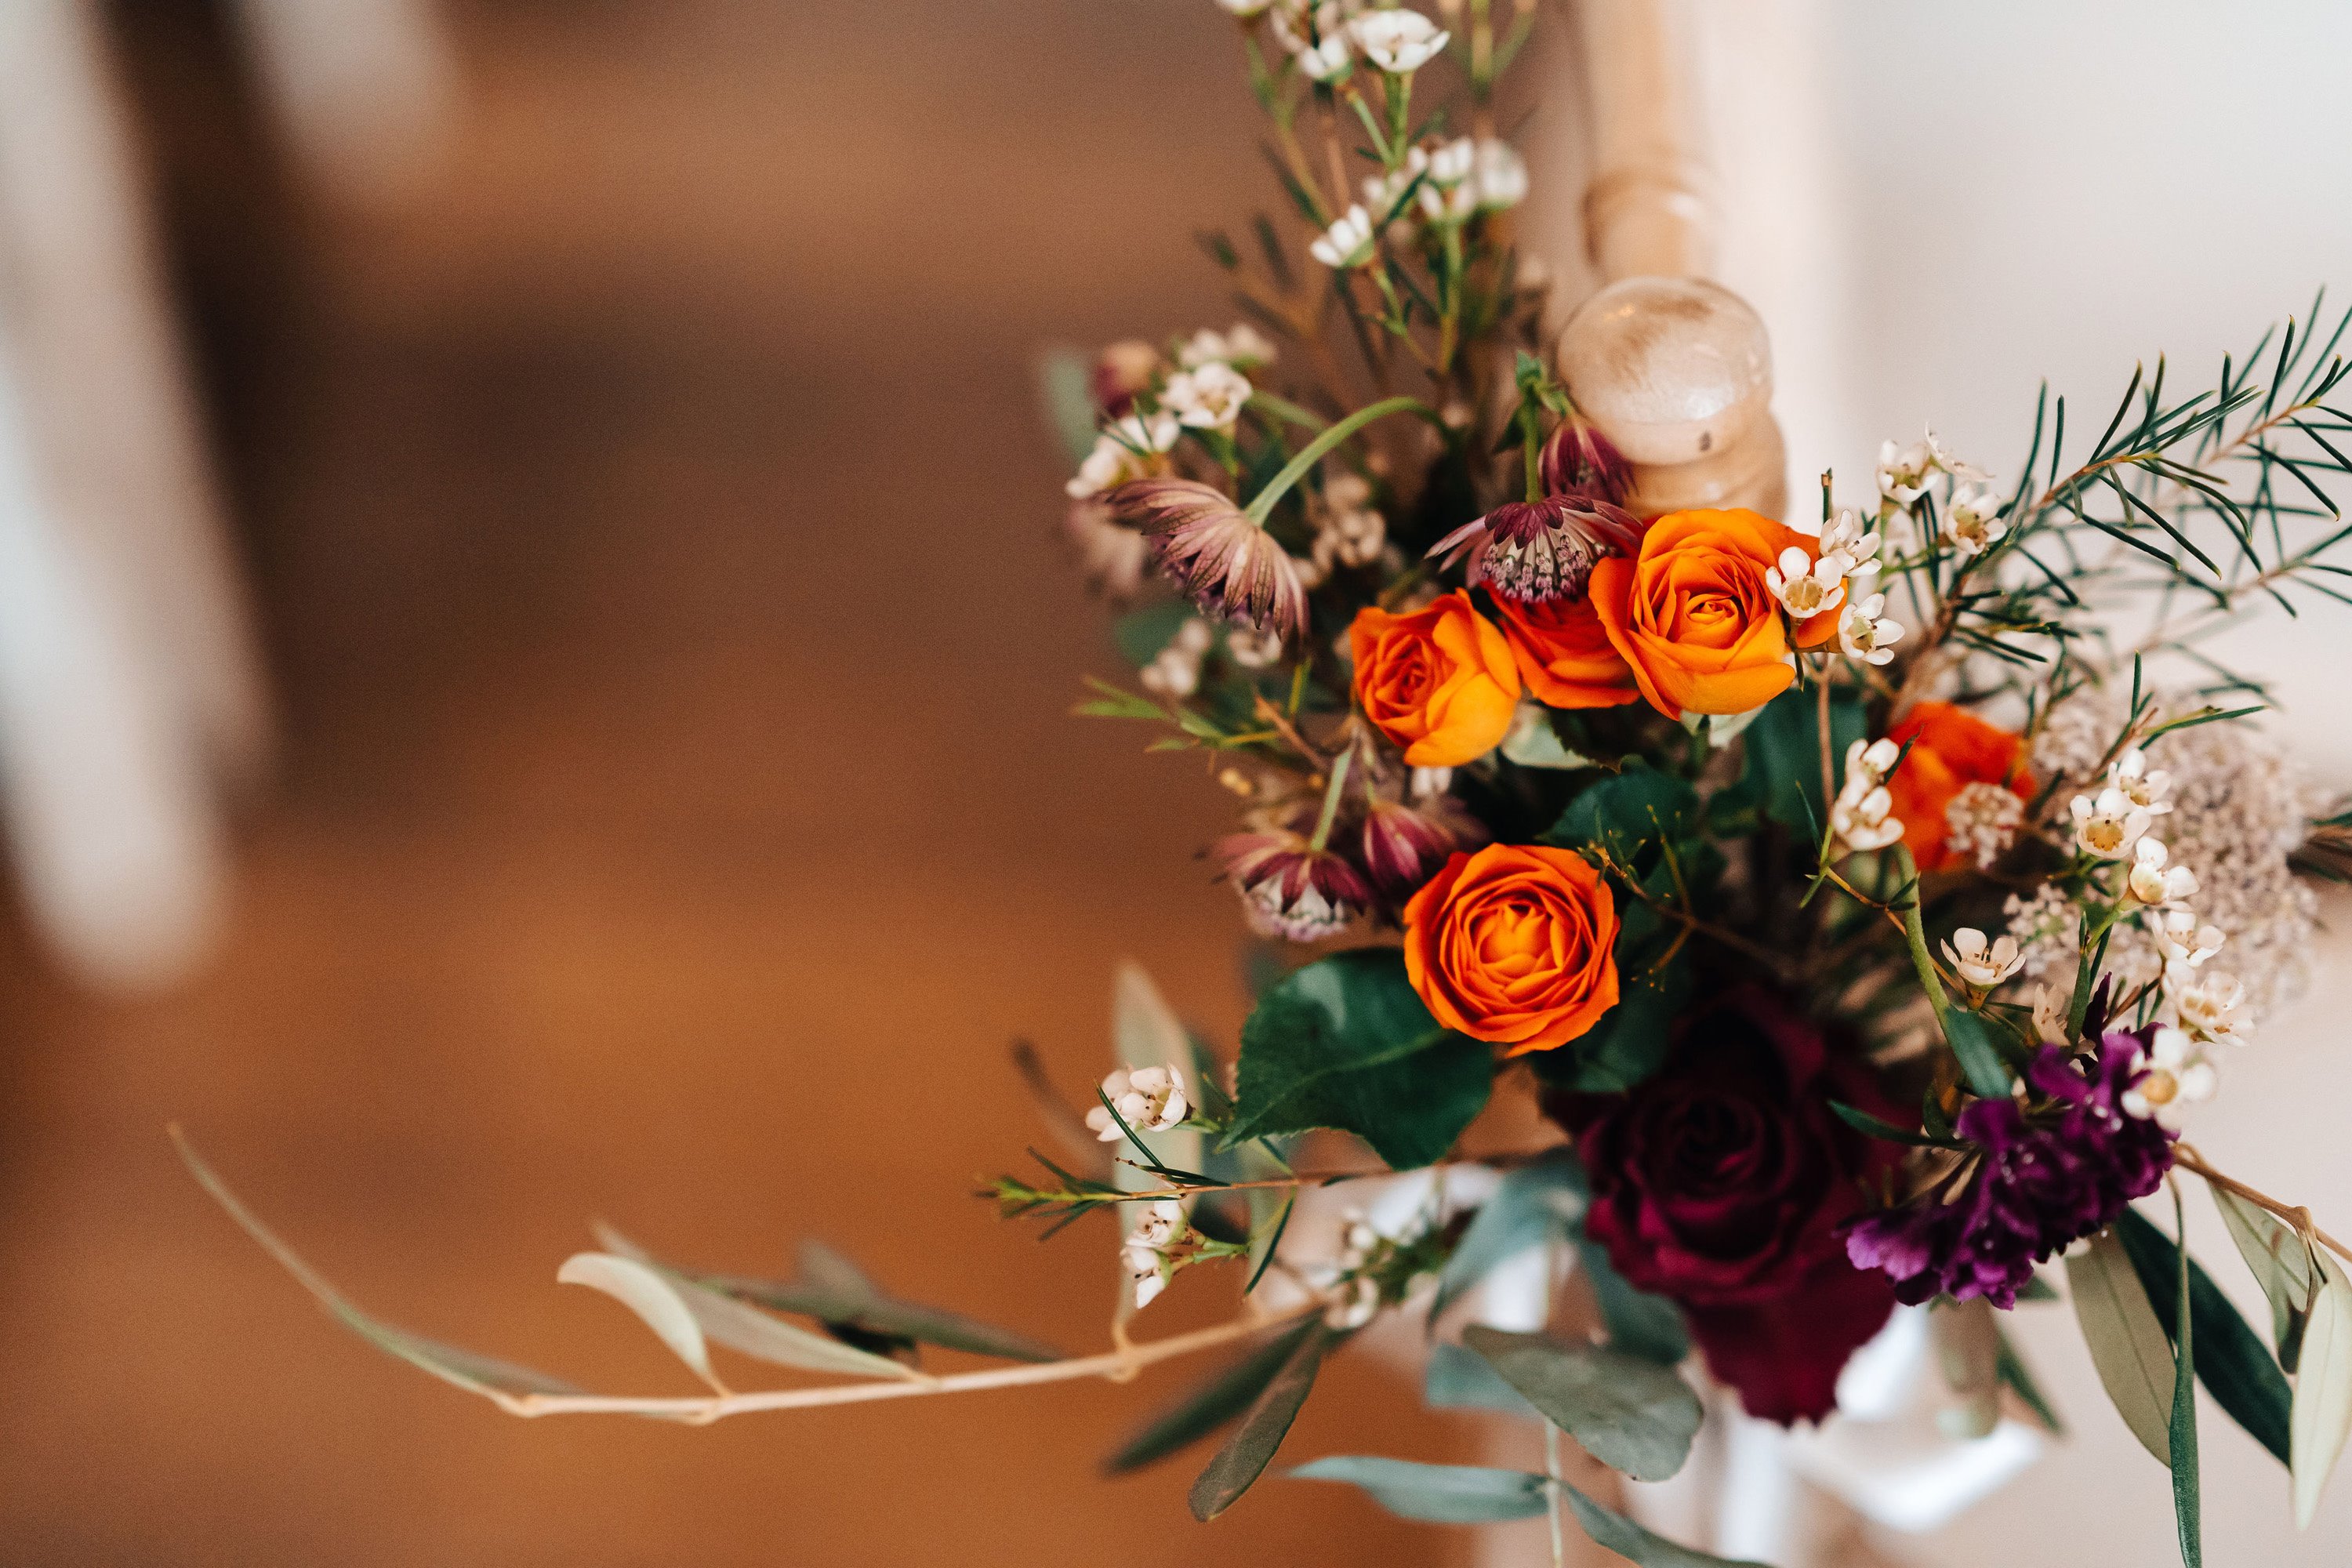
1345 1043
2019 1378
1972 1042
1639 1323
1438 1494
1264 1425
1886 1132
1782 771
1626 811
1207 1407
2229 1356
2188 1506
1631 1041
1531 1205
1630 1414
1460 1379
1638 1546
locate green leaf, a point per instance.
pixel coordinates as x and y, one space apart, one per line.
836 1293
1531 1205
1436 1494
1638 1546
1143 634
1639 1323
2188 1506
1630 1414
2323 1388
1783 768
1532 743
1459 1378
720 1317
1345 1043
2019 1378
1627 811
1264 1425
1632 1040
655 1300
2231 1358
1886 1132
1972 1042
2126 1344
1208 1406
2281 1264
476 1374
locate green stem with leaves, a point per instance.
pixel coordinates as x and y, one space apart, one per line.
1262 505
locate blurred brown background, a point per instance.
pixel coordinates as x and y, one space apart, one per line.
653 539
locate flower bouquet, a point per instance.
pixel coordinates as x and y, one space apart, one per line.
1866 899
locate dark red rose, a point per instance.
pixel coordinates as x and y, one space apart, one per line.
1721 1182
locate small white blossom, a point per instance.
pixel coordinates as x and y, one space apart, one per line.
1979 963
1802 586
2181 943
1347 243
1428 784
1244 9
1175 672
1151 1100
1501 179
1209 398
1904 472
2178 1076
2152 881
1399 42
1453 162
2204 1006
1124 451
1877 758
2144 788
1355 1305
2108 823
1252 648
1864 635
2048 1013
1159 1226
1865 819
1984 819
1326 62
1245 347
1971 522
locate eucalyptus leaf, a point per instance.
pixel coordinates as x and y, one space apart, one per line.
1237 1466
1642 1548
1631 1415
1436 1494
1532 743
1203 1409
2322 1387
642 1290
1531 1206
2126 1344
1345 1042
1459 1378
2230 1359
2281 1264
1639 1323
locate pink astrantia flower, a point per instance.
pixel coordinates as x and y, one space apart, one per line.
1230 568
1537 550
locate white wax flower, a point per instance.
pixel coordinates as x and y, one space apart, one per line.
1209 398
1347 243
2143 785
1399 42
1806 588
1326 62
1865 635
2154 882
2108 825
1122 452
1150 1100
1980 963
1971 522
2179 1075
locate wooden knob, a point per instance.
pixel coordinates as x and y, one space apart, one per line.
1678 373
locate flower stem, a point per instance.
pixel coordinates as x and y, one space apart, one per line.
1262 505
1331 799
1915 932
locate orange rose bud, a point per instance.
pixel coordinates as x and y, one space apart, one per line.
1951 749
1514 945
1439 682
1691 613
1564 655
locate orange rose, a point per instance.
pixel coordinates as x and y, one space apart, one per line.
1514 945
1439 682
1693 617
1951 748
1564 655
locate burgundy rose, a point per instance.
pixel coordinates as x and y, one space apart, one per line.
1721 1184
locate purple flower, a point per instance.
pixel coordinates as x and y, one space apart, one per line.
1404 847
1289 887
1578 459
1226 564
2061 1166
1537 551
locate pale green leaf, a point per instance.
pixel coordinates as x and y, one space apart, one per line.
2322 1418
1531 1206
1532 743
656 1302
1458 1378
1263 1426
1630 1414
1436 1494
2281 1264
2126 1344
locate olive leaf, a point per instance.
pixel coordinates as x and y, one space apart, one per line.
1244 1458
1642 1548
2230 1358
1203 1409
2322 1418
2126 1344
2281 1265
1630 1414
656 1301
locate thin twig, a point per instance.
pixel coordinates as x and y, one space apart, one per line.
2295 1214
